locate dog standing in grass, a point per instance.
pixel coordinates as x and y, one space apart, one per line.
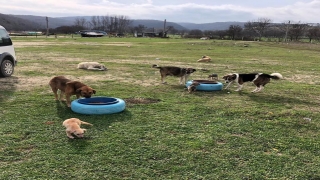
183 73
258 79
213 77
69 88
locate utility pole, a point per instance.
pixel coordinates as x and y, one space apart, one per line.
164 28
287 31
47 34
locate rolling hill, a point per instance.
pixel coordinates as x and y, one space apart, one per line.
29 22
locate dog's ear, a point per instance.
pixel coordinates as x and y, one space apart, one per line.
71 82
94 91
78 90
84 130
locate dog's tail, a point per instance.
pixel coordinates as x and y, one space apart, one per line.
82 122
156 66
276 76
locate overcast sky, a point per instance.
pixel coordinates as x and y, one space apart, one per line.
199 11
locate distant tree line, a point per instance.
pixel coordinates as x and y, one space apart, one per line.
113 24
264 28
260 29
110 24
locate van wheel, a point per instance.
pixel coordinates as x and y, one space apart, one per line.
6 68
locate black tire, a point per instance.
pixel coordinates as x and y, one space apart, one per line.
6 68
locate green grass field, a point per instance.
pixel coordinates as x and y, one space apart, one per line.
273 134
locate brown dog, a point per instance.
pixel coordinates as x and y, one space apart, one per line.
73 127
183 73
69 88
213 77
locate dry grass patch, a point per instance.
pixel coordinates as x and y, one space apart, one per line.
23 83
140 100
301 78
41 43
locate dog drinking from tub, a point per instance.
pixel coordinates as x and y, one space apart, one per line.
183 73
193 87
69 88
92 66
258 79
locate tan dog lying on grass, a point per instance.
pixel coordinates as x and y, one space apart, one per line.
92 66
205 59
69 88
73 127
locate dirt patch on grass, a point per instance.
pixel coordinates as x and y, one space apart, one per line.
19 44
300 78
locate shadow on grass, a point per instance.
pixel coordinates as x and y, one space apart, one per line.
277 99
7 87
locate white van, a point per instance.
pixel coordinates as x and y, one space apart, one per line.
7 54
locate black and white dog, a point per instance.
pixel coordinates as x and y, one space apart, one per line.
258 79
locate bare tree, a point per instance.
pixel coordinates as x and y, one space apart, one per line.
137 29
208 33
80 22
140 28
94 22
68 29
258 27
220 33
123 24
313 33
285 27
276 31
195 33
297 30
234 31
112 24
172 30
104 22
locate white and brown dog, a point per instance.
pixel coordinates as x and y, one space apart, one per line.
258 79
183 73
92 66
